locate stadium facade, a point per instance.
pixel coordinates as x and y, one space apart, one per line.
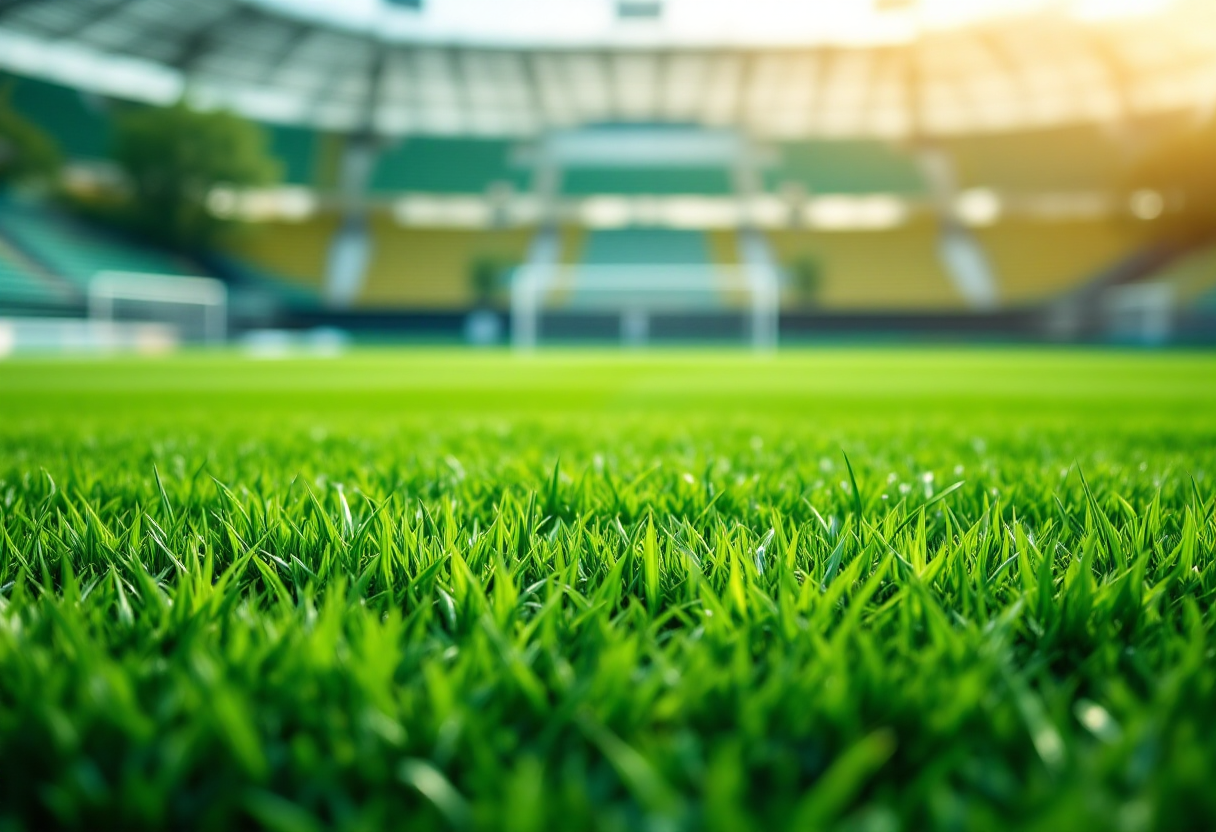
958 173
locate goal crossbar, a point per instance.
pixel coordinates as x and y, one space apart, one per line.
212 295
631 290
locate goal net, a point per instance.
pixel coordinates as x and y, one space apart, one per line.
195 308
642 302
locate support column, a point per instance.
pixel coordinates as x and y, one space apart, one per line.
350 252
762 275
960 251
530 283
351 249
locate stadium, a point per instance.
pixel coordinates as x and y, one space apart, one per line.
607 414
885 169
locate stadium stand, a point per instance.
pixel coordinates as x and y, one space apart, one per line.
1193 278
420 268
300 153
77 251
846 167
293 252
698 181
1035 259
896 269
22 288
1075 158
723 246
427 268
572 240
447 166
654 246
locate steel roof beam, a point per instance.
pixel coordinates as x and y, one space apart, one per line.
196 46
278 58
100 14
8 7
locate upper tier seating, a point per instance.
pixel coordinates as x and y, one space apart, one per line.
846 167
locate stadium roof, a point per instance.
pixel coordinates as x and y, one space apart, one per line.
776 68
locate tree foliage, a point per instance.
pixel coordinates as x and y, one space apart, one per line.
174 159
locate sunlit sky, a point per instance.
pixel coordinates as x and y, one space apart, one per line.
690 22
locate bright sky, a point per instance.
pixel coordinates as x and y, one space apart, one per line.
690 22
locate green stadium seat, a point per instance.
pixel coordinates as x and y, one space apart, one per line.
846 167
298 151
651 246
659 182
76 251
21 289
447 166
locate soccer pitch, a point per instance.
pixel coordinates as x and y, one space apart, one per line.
864 589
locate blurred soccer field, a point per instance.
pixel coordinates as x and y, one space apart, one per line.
841 386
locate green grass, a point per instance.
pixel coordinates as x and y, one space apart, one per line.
865 590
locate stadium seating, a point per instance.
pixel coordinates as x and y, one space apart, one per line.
420 268
20 288
447 166
1034 260
1193 278
1056 160
431 268
294 252
633 181
650 246
300 153
846 167
77 251
888 270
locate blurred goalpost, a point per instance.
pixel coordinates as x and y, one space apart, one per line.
195 308
637 293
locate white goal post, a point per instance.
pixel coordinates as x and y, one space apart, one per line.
110 292
636 292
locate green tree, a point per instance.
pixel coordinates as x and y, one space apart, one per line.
176 157
1177 179
27 152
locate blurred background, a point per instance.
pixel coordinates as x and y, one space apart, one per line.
303 174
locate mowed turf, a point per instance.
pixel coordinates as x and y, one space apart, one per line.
845 589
